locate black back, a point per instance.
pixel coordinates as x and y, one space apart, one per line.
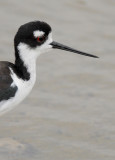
6 90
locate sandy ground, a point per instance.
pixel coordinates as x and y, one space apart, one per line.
70 114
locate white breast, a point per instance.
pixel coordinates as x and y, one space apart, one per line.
24 88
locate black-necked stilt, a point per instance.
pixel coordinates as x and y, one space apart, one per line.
17 80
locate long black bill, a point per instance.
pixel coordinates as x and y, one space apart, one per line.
63 47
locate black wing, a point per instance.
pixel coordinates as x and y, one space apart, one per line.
6 90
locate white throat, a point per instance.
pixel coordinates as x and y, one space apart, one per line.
29 55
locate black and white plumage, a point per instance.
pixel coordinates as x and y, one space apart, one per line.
17 80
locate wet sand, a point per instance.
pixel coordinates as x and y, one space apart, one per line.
70 114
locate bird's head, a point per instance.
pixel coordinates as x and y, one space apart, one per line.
34 38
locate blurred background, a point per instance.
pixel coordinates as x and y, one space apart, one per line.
70 114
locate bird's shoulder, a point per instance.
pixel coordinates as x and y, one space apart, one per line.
7 90
5 74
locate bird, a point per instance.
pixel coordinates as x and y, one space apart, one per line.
17 79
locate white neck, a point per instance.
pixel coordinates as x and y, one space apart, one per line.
29 57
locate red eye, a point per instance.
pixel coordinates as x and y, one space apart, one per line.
41 39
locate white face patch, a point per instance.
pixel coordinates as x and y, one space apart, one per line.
38 33
46 46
